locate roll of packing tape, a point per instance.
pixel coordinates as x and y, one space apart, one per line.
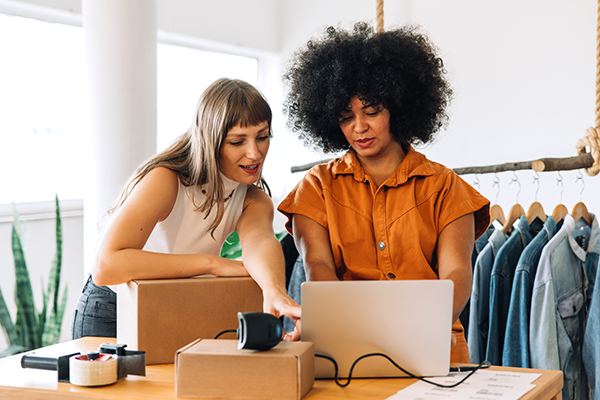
84 371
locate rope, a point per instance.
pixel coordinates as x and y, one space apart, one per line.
380 15
598 68
591 140
592 136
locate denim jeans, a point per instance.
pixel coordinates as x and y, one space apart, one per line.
516 337
95 313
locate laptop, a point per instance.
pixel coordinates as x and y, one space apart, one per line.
410 321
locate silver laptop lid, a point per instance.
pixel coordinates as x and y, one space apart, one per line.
410 321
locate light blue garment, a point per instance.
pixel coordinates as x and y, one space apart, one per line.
558 310
500 287
591 341
516 340
477 248
480 297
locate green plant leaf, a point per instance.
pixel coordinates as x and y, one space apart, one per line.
12 349
54 324
6 321
232 248
55 271
280 235
24 297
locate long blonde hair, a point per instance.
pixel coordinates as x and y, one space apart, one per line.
194 156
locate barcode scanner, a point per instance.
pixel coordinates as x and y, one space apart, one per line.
258 331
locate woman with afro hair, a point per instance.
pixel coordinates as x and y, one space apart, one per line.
381 211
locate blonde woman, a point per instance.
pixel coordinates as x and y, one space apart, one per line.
175 213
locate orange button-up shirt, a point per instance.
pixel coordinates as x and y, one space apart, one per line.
390 231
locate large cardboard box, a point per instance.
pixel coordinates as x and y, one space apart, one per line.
216 369
161 316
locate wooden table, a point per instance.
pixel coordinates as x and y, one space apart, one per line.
18 383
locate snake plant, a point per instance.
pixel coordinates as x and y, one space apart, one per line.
32 329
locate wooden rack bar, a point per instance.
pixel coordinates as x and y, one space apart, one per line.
543 164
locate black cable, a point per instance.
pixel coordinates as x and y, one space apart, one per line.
225 331
482 365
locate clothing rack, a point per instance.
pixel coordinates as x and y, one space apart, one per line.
585 160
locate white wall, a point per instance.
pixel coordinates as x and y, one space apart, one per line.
523 74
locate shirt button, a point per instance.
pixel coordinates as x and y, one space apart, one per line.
391 276
381 246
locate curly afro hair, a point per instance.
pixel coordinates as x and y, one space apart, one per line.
398 69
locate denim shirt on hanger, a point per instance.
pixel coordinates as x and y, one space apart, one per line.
477 248
480 296
516 340
500 287
591 341
558 309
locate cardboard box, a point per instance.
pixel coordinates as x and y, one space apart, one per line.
161 316
217 369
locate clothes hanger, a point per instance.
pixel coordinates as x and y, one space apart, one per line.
515 212
560 211
497 214
535 209
580 210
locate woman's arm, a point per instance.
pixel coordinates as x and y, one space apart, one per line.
120 258
454 249
262 255
312 241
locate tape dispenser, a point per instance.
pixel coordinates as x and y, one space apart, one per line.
97 368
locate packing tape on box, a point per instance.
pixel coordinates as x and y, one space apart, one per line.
98 372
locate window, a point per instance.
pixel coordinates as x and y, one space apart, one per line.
43 103
43 99
183 74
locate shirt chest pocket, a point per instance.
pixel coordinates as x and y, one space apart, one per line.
571 306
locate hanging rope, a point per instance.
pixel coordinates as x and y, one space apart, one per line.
591 141
379 16
598 68
592 136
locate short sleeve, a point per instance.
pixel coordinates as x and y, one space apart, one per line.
459 199
306 199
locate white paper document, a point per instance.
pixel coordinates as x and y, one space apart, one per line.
482 385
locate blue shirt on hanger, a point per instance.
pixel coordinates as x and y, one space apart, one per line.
516 340
500 287
558 309
480 297
591 341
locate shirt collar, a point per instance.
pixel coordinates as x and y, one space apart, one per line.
569 227
594 245
414 164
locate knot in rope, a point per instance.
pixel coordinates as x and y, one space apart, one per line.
591 140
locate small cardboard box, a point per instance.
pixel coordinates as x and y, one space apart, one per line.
161 316
217 369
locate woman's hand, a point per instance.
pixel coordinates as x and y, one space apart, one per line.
279 304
